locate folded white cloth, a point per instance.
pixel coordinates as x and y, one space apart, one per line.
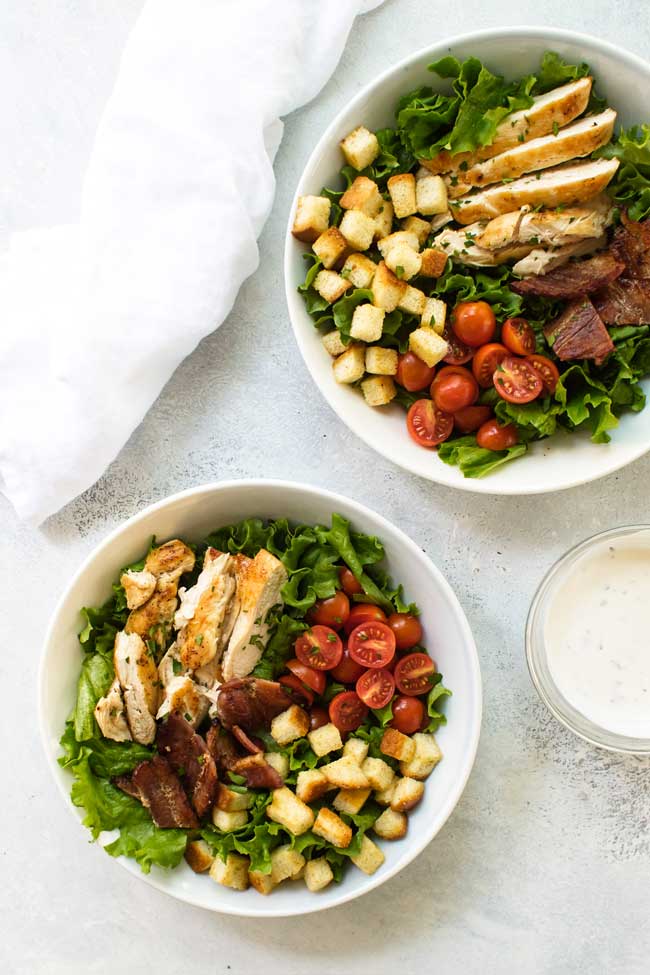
95 317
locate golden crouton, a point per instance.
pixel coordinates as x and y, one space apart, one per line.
359 269
433 262
416 225
350 366
350 801
427 345
345 774
369 857
312 217
367 323
378 772
391 825
364 195
311 784
318 874
413 301
434 315
330 285
334 343
386 288
330 247
402 194
332 828
397 745
427 755
385 796
279 762
285 863
408 793
403 261
262 882
291 724
384 221
360 147
431 194
197 854
233 873
381 362
356 749
231 801
378 390
325 739
227 821
290 811
358 229
399 238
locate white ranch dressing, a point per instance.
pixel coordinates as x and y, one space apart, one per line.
597 635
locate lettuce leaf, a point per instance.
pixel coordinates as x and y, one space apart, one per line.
279 649
631 184
148 845
435 698
96 677
489 284
475 461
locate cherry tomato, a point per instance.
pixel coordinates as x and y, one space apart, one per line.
361 612
518 336
376 688
491 436
428 425
471 417
407 630
457 351
547 370
473 322
319 647
318 717
372 644
454 388
516 381
412 373
347 711
331 612
414 673
408 714
351 586
486 359
298 688
347 671
314 679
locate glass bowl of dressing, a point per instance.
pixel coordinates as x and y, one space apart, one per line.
588 639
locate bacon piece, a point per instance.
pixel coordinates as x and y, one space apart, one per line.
223 748
579 333
258 773
251 703
126 784
575 279
626 301
185 750
160 790
251 745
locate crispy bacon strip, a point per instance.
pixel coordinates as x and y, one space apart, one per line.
251 703
190 757
258 773
158 788
575 279
579 333
626 301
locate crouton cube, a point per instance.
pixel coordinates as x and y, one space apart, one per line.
427 755
359 269
290 811
427 345
407 794
233 873
369 857
300 874
378 390
350 366
285 863
416 225
262 882
227 821
358 229
312 218
412 301
378 772
397 745
318 874
330 285
434 314
363 195
433 262
325 739
198 856
279 762
360 147
334 343
384 220
345 773
402 194
332 828
400 237
431 194
231 801
381 362
391 825
291 724
385 796
367 323
386 288
404 261
330 247
350 801
356 749
311 784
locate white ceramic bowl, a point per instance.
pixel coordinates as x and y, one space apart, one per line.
551 465
192 514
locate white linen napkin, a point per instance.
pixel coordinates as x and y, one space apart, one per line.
96 317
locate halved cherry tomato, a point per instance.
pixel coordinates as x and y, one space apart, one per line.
376 688
412 373
361 612
548 371
473 322
319 647
486 359
454 388
347 671
314 679
470 418
318 717
516 381
299 689
407 630
408 714
457 352
414 673
518 336
492 436
331 612
347 711
372 644
351 586
428 425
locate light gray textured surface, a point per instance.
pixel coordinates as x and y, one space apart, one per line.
543 868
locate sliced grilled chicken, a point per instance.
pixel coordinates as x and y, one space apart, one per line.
258 591
204 610
464 246
547 227
171 559
167 563
556 108
138 586
541 261
110 714
170 666
186 697
138 676
564 186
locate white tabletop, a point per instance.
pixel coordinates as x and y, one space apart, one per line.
543 867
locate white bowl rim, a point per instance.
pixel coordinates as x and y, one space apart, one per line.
473 485
417 553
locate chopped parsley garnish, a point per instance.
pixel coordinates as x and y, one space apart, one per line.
177 666
556 128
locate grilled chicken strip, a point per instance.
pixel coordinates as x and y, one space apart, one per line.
186 697
110 714
464 246
138 586
547 227
204 611
138 676
167 563
555 108
171 559
258 590
542 261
